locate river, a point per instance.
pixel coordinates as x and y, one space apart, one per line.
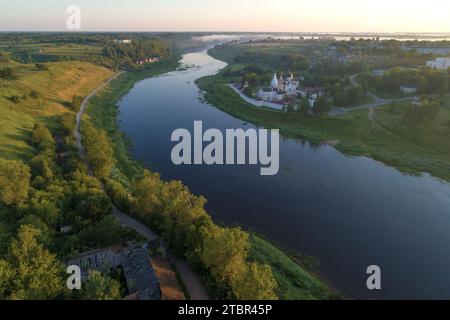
349 212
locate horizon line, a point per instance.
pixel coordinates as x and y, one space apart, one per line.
225 32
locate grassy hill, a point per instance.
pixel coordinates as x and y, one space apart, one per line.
40 95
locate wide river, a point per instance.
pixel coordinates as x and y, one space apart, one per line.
348 212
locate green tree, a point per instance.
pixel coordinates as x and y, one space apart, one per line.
37 273
99 152
322 106
146 192
7 274
304 107
224 253
14 181
257 283
41 135
68 123
101 287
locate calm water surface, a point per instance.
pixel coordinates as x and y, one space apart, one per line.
348 212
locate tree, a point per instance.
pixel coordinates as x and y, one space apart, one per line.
104 233
305 107
101 287
257 283
8 73
6 279
14 181
41 134
68 123
291 107
99 152
37 273
322 106
76 103
251 79
146 192
224 253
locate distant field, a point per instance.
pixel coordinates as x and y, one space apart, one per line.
44 52
56 88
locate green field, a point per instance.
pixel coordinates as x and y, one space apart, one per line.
412 149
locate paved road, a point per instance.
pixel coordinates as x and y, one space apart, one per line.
191 282
377 102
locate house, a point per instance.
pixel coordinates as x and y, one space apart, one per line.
416 102
311 93
149 60
441 63
135 261
124 41
378 73
408 89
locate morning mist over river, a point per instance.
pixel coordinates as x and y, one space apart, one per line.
348 212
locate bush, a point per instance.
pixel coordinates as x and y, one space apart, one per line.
34 94
41 135
15 99
8 73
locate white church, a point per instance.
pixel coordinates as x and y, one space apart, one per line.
279 89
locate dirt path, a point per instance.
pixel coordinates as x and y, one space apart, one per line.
192 283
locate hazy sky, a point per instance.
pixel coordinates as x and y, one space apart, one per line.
231 15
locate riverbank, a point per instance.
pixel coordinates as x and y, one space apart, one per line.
411 149
294 281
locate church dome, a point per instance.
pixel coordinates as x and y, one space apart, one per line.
274 83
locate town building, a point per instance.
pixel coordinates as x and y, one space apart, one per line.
141 279
148 60
124 41
441 63
311 93
408 89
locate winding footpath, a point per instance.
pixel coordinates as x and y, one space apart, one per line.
190 280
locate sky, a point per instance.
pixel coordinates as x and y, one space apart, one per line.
384 16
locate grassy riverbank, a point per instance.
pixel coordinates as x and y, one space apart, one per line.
385 137
40 95
294 281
